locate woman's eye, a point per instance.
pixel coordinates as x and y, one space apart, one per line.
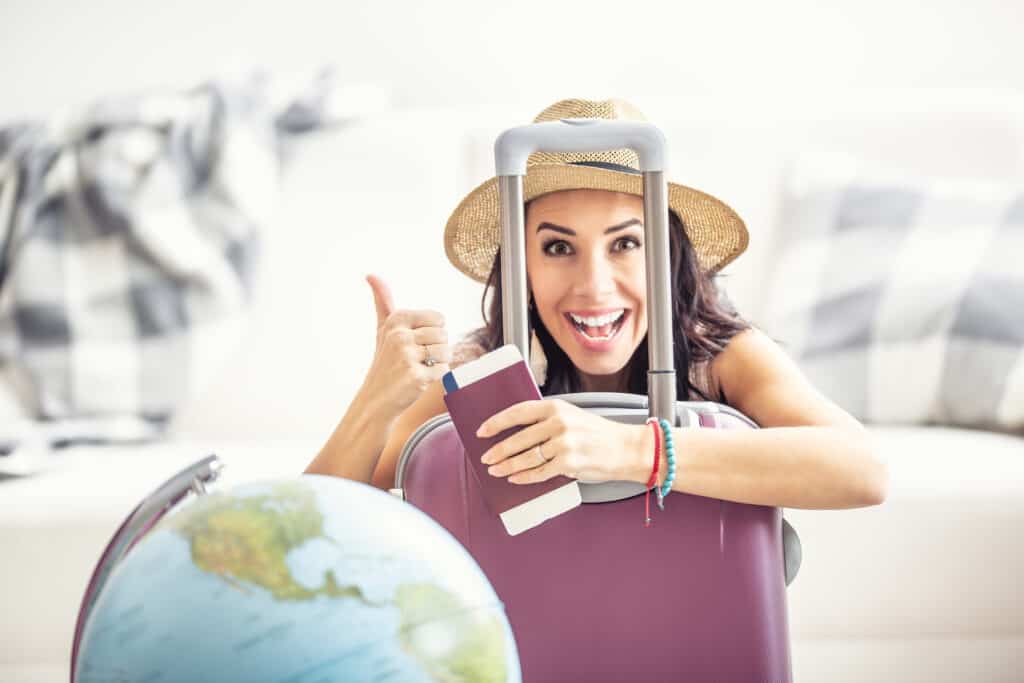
549 247
629 240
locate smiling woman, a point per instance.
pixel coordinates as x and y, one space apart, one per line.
588 319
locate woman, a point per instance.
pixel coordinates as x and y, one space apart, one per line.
586 280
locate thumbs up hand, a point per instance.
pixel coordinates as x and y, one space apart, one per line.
405 339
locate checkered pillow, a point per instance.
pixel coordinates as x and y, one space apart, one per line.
128 244
902 298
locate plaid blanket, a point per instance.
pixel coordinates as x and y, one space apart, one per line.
902 297
129 238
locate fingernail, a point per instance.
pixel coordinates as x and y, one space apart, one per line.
485 459
481 431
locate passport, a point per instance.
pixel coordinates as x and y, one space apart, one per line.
475 392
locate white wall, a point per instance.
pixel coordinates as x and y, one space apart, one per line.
375 200
466 52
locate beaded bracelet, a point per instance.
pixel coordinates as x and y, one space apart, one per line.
654 472
670 456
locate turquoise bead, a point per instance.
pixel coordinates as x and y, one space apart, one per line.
670 456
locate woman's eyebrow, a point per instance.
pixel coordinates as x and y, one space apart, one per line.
566 231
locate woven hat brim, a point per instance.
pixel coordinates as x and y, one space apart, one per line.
472 233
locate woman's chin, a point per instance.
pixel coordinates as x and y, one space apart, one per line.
589 365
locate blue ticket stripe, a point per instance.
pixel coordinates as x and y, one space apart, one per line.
449 382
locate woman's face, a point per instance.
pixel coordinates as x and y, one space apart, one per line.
586 270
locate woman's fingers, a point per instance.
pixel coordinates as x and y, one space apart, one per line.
382 299
414 319
442 353
520 442
430 335
536 475
528 459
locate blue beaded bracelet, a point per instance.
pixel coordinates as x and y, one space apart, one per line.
670 456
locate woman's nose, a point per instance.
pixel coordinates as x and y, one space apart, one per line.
596 276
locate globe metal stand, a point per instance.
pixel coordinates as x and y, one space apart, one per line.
146 514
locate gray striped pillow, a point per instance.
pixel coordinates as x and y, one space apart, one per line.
902 298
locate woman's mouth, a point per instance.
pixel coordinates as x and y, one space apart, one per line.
600 336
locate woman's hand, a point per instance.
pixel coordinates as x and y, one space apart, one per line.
576 443
397 375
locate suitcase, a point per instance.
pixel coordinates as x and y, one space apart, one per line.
592 595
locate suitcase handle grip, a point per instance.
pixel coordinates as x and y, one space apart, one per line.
514 146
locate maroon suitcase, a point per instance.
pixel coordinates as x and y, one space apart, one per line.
592 595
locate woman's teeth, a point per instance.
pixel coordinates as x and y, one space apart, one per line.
599 328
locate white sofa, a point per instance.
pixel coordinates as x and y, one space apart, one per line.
922 588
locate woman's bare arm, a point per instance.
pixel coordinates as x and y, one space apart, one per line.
365 446
355 445
428 405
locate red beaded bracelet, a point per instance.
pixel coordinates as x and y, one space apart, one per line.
653 421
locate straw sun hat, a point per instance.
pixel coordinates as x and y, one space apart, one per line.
472 234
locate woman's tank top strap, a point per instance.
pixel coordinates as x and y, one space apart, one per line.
701 378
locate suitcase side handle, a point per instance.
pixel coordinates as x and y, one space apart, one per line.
513 147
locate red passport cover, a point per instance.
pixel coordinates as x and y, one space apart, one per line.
470 406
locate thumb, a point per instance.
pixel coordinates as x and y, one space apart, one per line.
381 298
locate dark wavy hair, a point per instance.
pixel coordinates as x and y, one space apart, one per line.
704 322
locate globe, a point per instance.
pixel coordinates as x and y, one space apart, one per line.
305 580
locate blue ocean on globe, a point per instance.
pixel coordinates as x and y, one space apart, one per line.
304 580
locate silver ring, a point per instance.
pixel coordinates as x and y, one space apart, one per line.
541 453
429 362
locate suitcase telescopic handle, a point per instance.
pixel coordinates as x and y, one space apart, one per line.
511 150
514 146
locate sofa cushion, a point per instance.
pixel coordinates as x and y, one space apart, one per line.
941 557
880 276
